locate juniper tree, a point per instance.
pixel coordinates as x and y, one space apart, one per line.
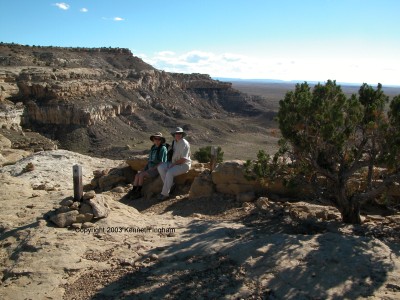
337 136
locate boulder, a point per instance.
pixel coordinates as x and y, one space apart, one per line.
11 156
138 162
116 176
229 178
188 178
108 182
202 186
152 187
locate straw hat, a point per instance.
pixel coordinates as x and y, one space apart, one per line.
158 134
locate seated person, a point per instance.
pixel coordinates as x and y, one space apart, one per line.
179 164
157 155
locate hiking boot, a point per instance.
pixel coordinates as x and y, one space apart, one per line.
134 194
172 189
162 197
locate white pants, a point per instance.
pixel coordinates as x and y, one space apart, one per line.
167 175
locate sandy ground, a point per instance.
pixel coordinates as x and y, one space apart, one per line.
203 249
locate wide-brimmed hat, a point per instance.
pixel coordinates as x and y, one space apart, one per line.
178 130
158 134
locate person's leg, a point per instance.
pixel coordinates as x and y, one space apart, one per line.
162 169
141 178
169 177
136 180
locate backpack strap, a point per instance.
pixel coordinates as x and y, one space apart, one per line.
170 152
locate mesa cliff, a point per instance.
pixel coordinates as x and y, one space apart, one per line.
61 91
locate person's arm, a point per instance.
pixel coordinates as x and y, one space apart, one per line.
179 161
185 156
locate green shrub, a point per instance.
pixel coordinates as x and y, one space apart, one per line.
203 155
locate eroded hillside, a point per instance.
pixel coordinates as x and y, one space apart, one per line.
102 100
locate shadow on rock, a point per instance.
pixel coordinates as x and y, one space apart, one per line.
215 260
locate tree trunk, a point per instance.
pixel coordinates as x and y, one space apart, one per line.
349 207
351 214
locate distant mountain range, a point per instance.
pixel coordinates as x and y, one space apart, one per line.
228 79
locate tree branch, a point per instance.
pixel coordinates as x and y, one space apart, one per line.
379 189
323 171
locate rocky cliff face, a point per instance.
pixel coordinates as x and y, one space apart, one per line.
61 88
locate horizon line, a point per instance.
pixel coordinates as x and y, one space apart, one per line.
271 80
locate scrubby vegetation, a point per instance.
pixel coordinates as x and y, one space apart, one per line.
343 139
203 155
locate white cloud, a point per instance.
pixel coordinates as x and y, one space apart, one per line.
116 19
233 65
83 9
62 5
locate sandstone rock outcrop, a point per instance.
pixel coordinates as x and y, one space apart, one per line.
63 90
10 156
202 186
229 178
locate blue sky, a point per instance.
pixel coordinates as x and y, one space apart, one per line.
315 40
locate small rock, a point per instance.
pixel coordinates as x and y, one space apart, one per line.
89 195
76 225
67 202
197 215
64 219
75 205
99 206
100 173
28 168
42 223
83 218
63 209
154 257
94 183
127 262
49 188
118 189
85 209
87 225
263 203
39 187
